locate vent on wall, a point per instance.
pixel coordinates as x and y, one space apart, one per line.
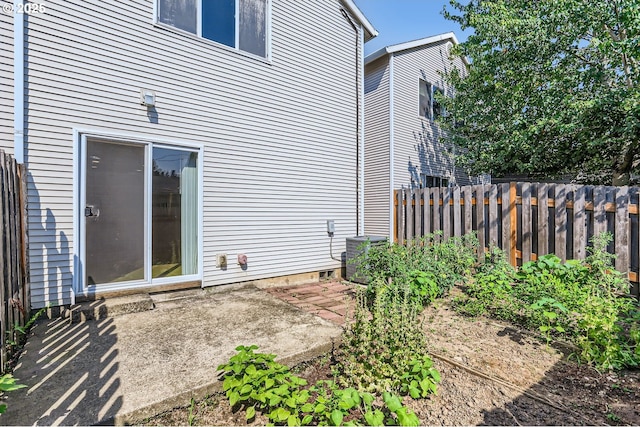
355 246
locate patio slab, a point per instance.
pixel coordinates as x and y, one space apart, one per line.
121 369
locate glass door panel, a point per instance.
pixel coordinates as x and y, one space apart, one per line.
114 212
174 213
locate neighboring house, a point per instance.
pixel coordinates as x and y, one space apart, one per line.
165 139
402 140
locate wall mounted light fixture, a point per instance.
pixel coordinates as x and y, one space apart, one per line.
147 98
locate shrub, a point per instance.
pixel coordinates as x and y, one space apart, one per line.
427 268
385 349
583 301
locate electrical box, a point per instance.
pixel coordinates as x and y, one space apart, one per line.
331 227
221 260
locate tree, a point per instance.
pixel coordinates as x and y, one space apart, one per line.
551 89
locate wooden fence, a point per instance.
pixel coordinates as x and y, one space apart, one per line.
14 279
528 220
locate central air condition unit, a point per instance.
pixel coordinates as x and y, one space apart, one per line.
356 246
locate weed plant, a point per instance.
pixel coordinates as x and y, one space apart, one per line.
384 349
256 382
426 268
585 302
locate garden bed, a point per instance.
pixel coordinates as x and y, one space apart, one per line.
492 373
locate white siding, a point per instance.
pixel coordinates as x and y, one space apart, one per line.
6 79
416 139
279 137
377 157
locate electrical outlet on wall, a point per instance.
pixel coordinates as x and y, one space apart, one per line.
221 260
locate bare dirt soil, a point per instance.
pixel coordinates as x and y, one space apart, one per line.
492 374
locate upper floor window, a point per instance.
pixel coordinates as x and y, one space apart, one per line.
429 105
240 24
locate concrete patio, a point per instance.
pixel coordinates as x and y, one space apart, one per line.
142 355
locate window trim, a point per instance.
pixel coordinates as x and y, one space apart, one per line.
432 88
198 35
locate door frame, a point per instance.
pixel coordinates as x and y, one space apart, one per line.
80 136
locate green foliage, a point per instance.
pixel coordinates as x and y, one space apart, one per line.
583 301
426 268
7 383
257 382
551 89
384 349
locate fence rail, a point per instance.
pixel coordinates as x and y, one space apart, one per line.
14 279
528 220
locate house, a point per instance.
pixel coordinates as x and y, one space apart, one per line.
402 140
183 143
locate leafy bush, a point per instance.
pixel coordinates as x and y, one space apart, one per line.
7 383
583 301
385 349
259 383
428 267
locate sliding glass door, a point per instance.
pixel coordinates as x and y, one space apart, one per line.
141 213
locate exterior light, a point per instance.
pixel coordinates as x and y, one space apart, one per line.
147 98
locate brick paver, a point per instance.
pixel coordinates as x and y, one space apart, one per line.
329 300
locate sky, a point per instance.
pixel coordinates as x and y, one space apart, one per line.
399 21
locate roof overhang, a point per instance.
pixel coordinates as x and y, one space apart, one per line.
369 31
412 44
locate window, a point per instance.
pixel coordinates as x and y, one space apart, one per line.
425 99
429 105
429 181
240 24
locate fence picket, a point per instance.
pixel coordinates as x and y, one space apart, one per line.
428 212
492 221
621 232
506 221
446 213
526 222
579 223
560 221
418 215
543 220
457 219
480 224
468 209
408 197
599 210
435 192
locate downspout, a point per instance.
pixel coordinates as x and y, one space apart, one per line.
362 123
18 81
391 148
359 163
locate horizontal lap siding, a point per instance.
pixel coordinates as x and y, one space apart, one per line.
376 187
6 79
279 138
417 150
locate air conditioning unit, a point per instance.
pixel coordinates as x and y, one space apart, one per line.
355 247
